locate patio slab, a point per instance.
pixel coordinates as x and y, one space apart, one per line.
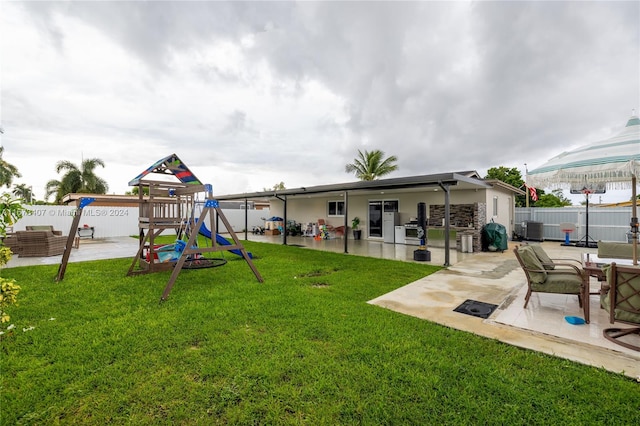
497 278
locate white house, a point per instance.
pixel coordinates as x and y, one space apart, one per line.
469 200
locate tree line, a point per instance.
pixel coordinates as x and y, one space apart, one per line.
75 179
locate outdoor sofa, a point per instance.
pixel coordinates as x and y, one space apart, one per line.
615 250
40 243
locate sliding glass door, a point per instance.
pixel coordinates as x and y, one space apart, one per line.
375 215
375 219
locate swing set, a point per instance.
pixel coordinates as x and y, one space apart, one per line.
172 206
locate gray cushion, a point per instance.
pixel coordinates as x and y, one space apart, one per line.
531 261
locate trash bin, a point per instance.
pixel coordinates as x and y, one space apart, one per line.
466 241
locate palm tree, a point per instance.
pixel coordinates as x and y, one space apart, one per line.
372 165
76 179
23 192
7 171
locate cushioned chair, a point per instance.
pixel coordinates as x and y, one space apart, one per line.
339 231
622 301
559 278
40 243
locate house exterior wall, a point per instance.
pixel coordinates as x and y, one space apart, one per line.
504 214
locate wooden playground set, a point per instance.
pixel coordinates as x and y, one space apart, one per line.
172 203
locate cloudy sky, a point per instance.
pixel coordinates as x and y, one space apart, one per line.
249 94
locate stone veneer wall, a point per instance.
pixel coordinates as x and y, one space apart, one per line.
461 215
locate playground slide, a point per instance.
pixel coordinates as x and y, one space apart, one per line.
205 232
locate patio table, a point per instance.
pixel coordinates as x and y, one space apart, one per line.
83 232
593 265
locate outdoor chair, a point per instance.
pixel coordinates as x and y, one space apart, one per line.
40 243
622 301
559 278
339 231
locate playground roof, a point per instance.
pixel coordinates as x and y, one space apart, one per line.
169 166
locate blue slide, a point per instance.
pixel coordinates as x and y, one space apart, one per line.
205 232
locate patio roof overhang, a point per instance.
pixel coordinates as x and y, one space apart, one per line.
441 181
458 180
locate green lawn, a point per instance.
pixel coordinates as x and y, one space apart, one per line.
303 347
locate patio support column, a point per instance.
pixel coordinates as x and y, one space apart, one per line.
346 222
284 227
246 219
445 189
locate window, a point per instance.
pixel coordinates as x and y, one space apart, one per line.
495 206
336 208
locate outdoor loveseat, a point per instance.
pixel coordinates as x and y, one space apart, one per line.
40 243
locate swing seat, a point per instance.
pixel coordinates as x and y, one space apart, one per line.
203 262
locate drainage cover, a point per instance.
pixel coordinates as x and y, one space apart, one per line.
476 309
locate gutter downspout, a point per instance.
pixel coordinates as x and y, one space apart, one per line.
445 188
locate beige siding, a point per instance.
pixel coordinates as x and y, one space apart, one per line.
310 209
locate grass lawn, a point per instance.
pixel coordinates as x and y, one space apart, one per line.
303 347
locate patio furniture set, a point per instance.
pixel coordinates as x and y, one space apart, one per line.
42 240
620 283
36 241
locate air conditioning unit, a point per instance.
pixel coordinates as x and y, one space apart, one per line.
534 231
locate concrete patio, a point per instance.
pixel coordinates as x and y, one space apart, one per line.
494 278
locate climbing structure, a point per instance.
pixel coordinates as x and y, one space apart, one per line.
170 204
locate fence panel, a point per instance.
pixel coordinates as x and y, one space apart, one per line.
605 223
117 221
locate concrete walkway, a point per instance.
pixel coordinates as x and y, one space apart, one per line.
493 278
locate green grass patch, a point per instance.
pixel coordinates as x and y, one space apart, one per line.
303 347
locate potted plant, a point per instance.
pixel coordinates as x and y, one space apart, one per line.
357 233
